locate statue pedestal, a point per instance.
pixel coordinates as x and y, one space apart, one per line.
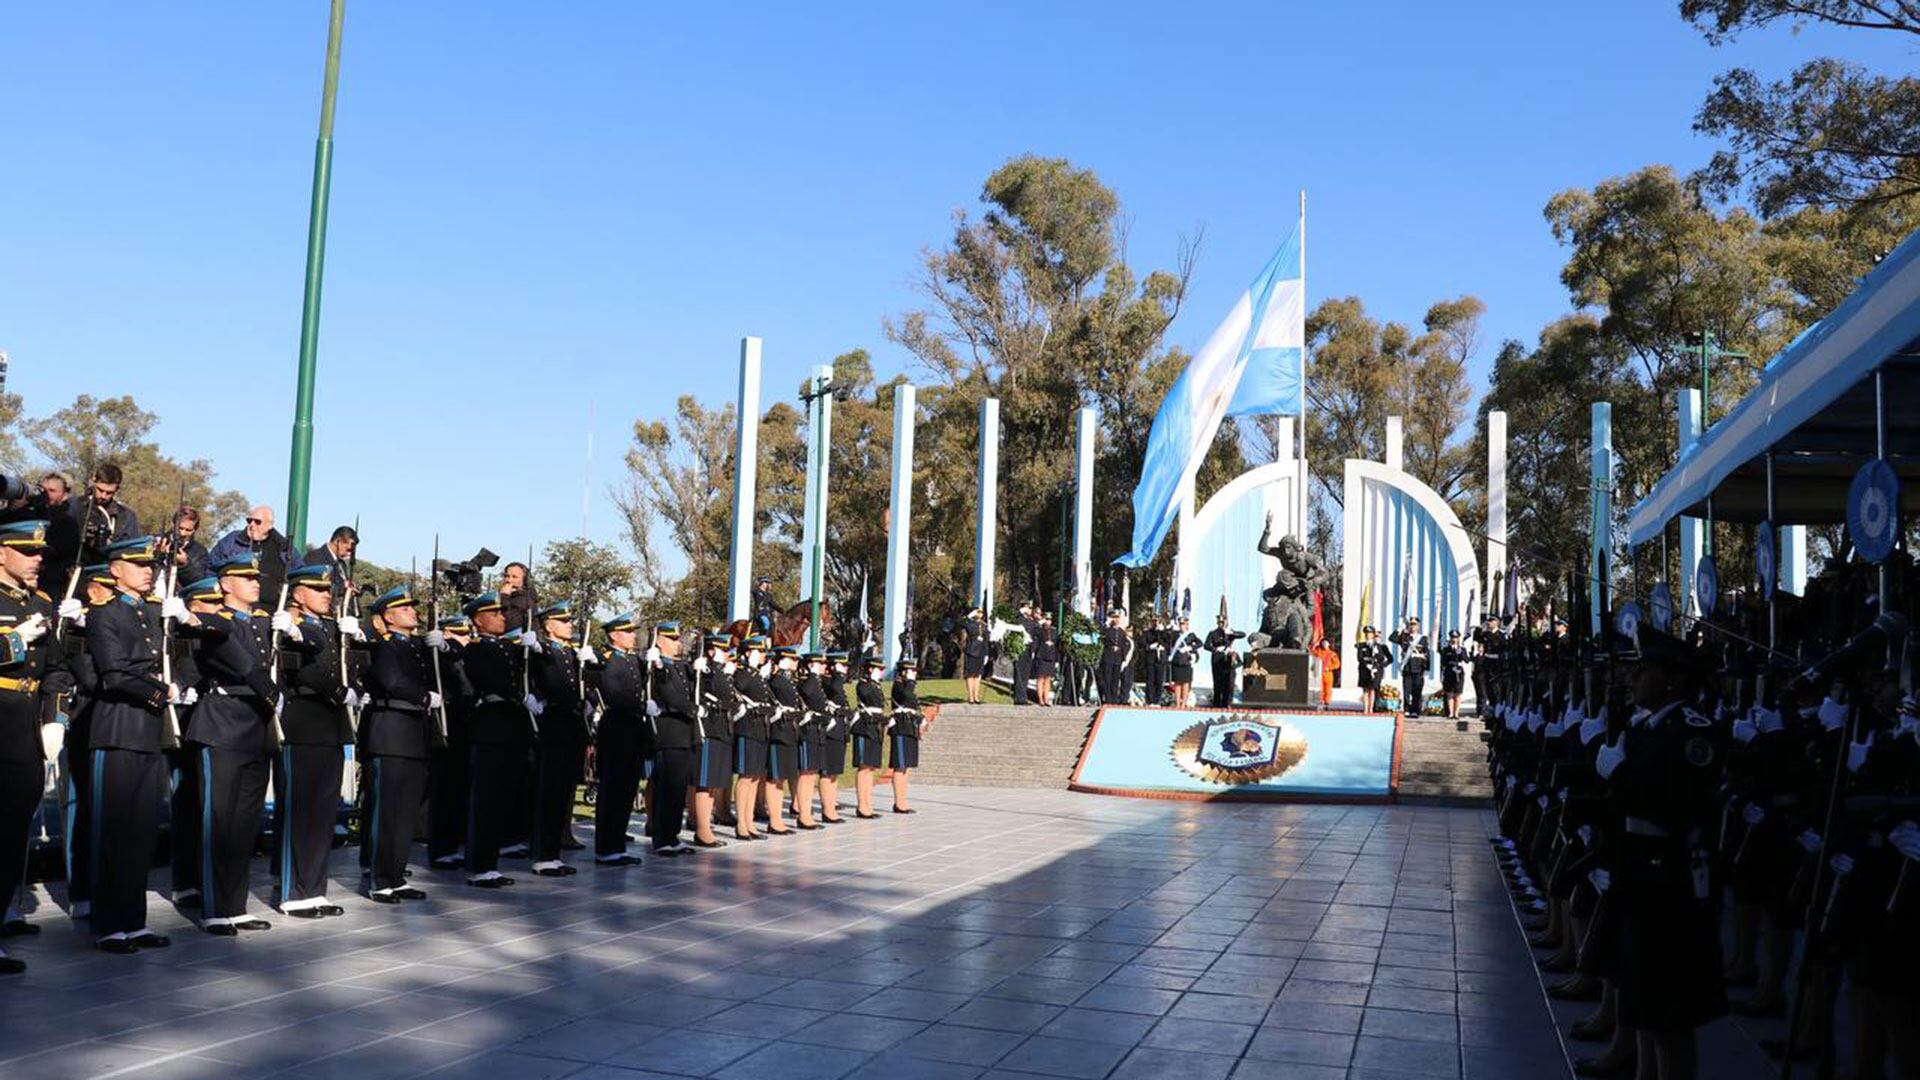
1277 677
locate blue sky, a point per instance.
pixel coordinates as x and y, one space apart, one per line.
545 210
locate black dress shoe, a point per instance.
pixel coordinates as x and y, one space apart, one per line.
385 896
710 844
150 940
898 810
11 965
1601 1066
408 892
622 859
866 816
570 844
490 883
217 930
304 913
778 832
749 837
18 928
725 821
554 871
803 826
253 924
833 820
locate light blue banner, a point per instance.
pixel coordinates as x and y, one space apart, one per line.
1133 750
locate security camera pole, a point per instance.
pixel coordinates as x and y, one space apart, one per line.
300 466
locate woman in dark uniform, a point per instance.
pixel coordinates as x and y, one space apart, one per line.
833 738
869 731
973 652
750 755
1180 657
713 759
783 735
1453 673
907 724
813 724
1046 660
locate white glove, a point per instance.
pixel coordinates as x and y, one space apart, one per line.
653 708
433 700
191 696
1585 833
1905 838
353 698
652 655
1600 879
1842 865
1639 717
1610 757
729 667
1745 731
1809 840
33 629
1592 727
530 642
436 640
174 608
586 654
350 627
1857 753
52 738
1556 729
177 696
700 665
282 622
71 608
1768 720
1833 715
1753 814
534 705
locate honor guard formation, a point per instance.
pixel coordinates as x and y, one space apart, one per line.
1704 823
174 687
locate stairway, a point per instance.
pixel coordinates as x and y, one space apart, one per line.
1003 746
1440 763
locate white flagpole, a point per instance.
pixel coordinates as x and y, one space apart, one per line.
1301 521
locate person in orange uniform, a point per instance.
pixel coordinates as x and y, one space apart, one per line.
1329 663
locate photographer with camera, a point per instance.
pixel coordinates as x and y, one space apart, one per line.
102 519
259 537
183 547
51 503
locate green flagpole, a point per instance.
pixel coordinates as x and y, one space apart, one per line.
300 466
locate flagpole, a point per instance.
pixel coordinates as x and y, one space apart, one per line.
1301 522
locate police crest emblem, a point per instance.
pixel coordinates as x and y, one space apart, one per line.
1238 748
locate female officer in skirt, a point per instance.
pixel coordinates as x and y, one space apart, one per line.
813 728
908 723
713 758
869 728
783 734
833 738
1180 657
1453 672
750 734
1046 661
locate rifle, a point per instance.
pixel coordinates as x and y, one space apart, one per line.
433 614
349 603
73 585
526 634
172 712
273 670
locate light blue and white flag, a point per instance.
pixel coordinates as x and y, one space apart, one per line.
1252 365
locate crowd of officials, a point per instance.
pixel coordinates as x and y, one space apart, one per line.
160 688
1720 818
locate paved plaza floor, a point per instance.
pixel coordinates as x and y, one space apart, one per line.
997 934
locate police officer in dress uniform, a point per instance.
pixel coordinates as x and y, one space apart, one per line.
1182 651
30 684
1046 659
125 735
315 724
1155 640
1023 664
557 679
783 733
907 723
812 746
397 731
833 737
1371 658
231 733
186 808
449 783
753 709
1116 656
95 588
868 734
973 652
1453 672
1416 655
1489 654
500 729
675 717
622 742
713 758
1220 644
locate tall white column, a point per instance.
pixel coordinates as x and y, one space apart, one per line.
1496 508
899 525
1395 443
989 488
1692 530
1083 513
1600 561
1791 558
819 442
746 467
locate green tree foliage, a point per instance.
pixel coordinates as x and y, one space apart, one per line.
92 431
596 577
1830 135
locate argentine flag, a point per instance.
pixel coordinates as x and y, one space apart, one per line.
1252 365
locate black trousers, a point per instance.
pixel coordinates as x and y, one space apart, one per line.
556 776
306 802
233 792
395 786
1113 683
499 774
184 813
1022 672
127 786
1222 686
619 765
21 783
672 772
1414 687
78 781
448 786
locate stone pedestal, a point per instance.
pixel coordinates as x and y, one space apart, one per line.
1277 677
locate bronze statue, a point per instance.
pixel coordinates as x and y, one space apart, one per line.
1288 616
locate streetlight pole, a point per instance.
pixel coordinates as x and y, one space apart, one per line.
300 466
1710 351
815 397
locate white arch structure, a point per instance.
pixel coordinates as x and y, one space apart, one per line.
1217 556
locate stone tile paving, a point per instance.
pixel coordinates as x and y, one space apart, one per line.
997 935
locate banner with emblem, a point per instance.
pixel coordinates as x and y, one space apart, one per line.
1236 753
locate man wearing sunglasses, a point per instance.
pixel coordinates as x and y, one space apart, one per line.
267 543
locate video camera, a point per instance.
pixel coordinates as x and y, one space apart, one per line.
15 489
464 577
